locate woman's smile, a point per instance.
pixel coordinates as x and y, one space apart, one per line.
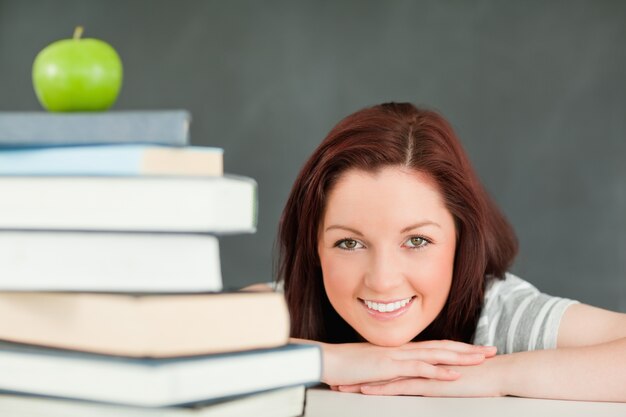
381 310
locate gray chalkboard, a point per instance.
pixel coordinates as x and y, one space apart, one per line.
535 89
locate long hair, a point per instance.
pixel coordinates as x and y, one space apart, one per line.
392 134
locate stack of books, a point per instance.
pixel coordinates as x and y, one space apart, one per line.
110 281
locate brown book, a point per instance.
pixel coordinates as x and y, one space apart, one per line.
146 325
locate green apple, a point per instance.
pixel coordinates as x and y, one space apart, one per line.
77 74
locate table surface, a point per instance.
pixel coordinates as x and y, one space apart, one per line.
322 402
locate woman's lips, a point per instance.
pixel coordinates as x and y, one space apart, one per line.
387 311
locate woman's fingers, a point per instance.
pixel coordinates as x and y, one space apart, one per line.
451 345
445 344
440 356
356 388
412 368
349 388
400 387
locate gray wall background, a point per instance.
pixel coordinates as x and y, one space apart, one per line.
535 89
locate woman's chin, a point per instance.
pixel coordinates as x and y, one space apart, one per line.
389 340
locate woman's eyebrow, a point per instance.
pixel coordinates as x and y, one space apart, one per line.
349 229
406 229
420 224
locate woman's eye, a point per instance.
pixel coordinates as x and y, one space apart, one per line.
417 242
349 244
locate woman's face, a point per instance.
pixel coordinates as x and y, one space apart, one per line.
386 246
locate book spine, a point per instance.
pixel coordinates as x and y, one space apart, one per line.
216 205
166 127
117 262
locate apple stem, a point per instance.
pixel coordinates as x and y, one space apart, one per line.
78 32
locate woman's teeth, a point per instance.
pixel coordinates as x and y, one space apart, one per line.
387 308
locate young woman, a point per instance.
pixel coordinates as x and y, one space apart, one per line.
394 259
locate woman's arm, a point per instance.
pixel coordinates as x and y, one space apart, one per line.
589 364
352 363
264 287
595 373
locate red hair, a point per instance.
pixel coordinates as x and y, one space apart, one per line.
392 134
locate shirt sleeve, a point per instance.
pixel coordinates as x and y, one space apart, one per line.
277 286
516 317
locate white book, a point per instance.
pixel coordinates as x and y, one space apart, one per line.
156 382
109 262
161 204
284 402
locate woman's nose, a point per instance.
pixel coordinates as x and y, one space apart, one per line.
384 273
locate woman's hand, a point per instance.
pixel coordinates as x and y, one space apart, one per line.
360 363
482 380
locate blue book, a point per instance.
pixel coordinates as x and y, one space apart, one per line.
112 160
167 127
156 382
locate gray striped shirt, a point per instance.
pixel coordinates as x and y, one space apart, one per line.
516 317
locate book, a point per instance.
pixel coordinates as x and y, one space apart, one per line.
166 127
225 204
283 402
146 325
110 160
109 262
156 382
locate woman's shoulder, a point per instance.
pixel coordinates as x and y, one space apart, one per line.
503 287
277 286
516 316
514 294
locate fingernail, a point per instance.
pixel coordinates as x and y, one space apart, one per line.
489 349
